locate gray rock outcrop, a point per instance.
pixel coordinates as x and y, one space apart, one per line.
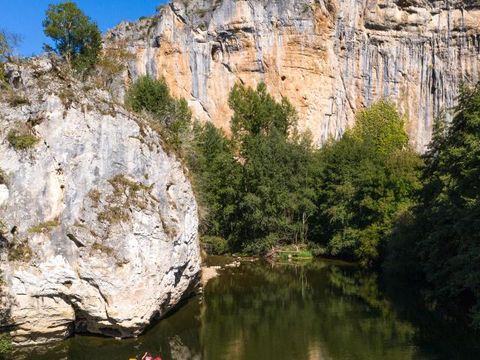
329 57
98 224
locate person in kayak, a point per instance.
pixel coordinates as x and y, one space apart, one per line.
147 356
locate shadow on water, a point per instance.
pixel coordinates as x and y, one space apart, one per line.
320 310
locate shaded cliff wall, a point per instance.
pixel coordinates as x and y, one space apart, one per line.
329 57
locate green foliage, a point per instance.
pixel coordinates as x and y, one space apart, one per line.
5 344
21 139
172 115
368 178
448 217
217 179
215 245
44 227
294 253
277 196
76 37
19 251
381 127
257 113
257 187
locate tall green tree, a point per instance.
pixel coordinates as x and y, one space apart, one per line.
257 113
76 37
369 178
448 218
257 186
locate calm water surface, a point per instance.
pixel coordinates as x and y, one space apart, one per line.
321 310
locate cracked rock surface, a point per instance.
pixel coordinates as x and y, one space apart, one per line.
98 224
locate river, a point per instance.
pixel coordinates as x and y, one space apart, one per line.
319 310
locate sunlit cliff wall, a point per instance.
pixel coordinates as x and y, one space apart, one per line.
329 57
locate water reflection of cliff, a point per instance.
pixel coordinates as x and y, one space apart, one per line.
175 337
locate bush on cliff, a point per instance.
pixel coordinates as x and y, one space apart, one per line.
8 41
153 97
22 139
5 344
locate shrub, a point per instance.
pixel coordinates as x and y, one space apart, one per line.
153 97
17 100
19 252
107 250
3 80
3 177
21 139
215 245
113 215
95 196
5 344
112 62
44 227
3 228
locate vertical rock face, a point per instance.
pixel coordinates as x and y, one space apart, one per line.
329 57
98 224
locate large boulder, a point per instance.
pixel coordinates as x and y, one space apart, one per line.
98 222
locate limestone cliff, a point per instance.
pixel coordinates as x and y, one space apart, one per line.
98 223
329 57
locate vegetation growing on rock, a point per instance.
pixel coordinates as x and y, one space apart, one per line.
5 344
22 139
3 177
19 250
126 194
44 227
170 116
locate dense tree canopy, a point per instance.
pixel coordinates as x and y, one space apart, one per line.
448 217
258 185
257 113
368 179
76 37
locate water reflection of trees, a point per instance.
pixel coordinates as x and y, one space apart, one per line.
299 312
322 310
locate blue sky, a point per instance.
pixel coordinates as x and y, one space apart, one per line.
24 17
